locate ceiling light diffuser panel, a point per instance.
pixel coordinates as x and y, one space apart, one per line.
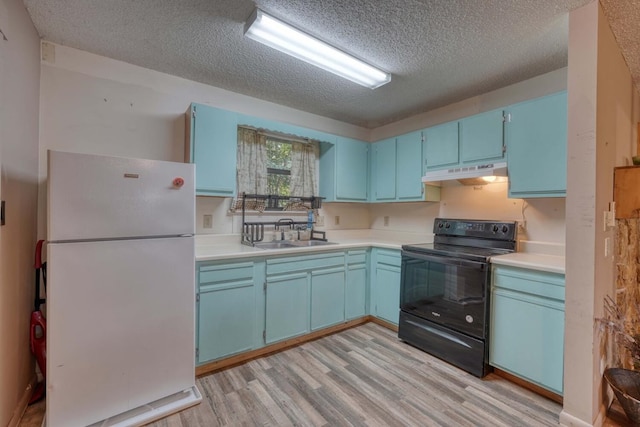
287 39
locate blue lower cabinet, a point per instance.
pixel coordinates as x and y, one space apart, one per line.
225 328
356 291
527 325
303 293
385 285
388 293
226 306
355 299
287 306
327 297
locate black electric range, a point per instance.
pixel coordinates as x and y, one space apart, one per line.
445 288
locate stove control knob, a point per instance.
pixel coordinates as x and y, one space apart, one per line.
495 229
447 225
440 225
505 228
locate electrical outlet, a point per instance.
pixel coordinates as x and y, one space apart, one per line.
320 220
386 221
207 221
337 220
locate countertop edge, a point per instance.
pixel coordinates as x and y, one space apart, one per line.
532 261
249 252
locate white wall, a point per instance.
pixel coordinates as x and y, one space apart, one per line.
94 104
19 92
544 219
602 117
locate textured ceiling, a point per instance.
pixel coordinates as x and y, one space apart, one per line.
438 51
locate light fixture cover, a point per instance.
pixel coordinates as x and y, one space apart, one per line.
285 38
462 172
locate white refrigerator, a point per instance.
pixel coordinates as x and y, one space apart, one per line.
121 290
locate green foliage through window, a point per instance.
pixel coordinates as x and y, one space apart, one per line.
278 167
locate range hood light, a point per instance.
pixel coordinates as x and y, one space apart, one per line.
287 39
487 173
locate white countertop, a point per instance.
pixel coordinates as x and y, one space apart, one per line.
535 256
227 246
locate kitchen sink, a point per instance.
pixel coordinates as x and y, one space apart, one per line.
308 243
291 244
274 245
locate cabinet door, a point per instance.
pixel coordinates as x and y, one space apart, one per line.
356 291
441 146
387 291
409 166
536 137
225 321
527 337
286 307
352 169
212 146
385 169
481 137
327 297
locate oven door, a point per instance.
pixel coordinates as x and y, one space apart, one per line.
451 292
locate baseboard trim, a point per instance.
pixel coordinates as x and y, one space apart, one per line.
530 386
18 412
229 362
568 420
384 323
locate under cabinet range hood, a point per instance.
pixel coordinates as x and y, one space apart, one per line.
466 172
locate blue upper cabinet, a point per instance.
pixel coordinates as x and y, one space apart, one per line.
482 137
352 169
536 139
396 170
384 170
211 144
441 147
473 140
409 166
344 165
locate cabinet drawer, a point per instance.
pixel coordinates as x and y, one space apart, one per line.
304 263
388 257
357 257
539 283
224 273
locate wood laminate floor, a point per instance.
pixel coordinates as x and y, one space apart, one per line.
363 376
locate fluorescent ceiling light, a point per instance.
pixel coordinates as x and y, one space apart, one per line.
285 38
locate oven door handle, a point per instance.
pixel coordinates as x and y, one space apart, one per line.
441 334
446 260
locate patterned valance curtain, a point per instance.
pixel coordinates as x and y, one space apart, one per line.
304 181
252 165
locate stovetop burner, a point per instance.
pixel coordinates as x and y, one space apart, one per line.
469 239
465 252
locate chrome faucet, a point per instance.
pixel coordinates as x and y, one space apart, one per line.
300 228
280 223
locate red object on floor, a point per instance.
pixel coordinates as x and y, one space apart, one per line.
38 328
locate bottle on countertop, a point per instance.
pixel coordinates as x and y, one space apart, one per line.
309 219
